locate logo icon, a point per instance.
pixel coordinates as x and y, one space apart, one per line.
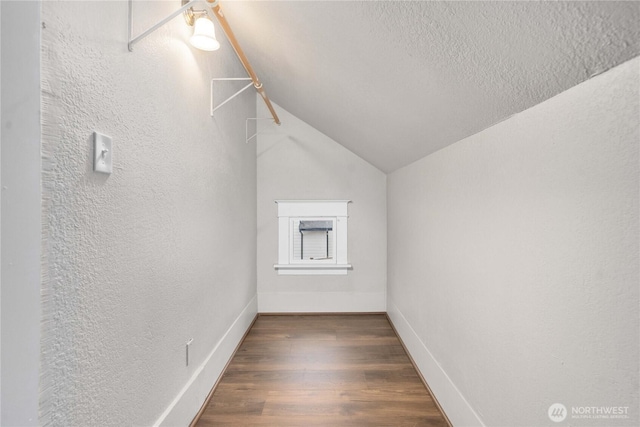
557 412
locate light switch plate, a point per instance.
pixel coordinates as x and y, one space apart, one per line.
102 153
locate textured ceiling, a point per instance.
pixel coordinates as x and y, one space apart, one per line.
394 81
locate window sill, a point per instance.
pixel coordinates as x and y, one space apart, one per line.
311 269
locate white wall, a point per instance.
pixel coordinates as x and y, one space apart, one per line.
21 225
297 162
513 260
162 250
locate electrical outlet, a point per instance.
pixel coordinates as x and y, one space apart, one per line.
188 345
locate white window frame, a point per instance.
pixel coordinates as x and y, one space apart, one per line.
329 210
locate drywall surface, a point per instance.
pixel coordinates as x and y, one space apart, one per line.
513 255
21 225
297 162
394 81
162 250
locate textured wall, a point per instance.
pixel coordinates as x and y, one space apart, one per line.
161 251
394 81
21 223
295 161
513 255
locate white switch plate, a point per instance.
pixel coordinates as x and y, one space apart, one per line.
102 153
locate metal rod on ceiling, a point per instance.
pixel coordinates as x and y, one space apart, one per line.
215 6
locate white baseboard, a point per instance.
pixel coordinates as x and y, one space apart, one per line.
453 403
190 399
321 302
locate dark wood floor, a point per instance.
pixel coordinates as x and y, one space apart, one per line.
321 370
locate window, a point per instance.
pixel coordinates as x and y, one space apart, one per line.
312 237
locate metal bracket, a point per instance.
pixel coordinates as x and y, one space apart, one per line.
246 128
213 107
134 40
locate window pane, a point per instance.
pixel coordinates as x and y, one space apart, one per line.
313 240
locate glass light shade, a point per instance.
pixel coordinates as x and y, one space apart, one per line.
204 35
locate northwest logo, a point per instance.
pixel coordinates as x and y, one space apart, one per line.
557 412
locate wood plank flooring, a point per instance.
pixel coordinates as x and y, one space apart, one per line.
321 370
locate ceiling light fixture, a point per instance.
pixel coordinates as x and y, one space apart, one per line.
204 33
212 10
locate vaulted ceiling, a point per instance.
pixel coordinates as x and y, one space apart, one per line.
394 81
